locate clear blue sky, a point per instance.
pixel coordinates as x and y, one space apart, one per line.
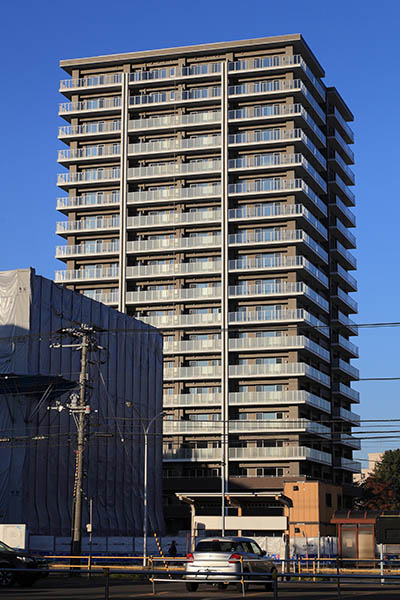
356 41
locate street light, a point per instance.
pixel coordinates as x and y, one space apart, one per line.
145 433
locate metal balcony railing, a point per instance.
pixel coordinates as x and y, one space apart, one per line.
174 193
279 370
291 397
94 104
192 320
174 121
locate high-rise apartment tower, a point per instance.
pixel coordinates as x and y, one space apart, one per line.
207 193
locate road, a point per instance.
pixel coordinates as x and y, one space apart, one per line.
66 588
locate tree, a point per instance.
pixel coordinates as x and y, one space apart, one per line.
381 490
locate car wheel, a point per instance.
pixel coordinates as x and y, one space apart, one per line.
222 586
7 578
192 587
270 585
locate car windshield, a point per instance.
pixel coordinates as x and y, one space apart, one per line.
5 548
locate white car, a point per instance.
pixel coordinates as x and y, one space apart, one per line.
222 560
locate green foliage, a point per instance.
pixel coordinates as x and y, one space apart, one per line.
381 490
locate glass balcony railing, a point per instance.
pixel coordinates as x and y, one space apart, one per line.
175 218
347 345
175 121
87 274
353 372
348 415
175 295
207 372
349 279
110 298
278 425
91 152
279 342
95 104
175 169
344 125
287 452
174 269
176 145
350 260
89 249
92 81
273 398
90 129
279 370
280 262
89 176
345 390
345 168
171 194
174 97
192 346
276 135
276 110
195 320
295 314
275 209
175 72
88 200
277 86
350 465
95 224
335 135
177 400
277 184
351 303
350 237
169 244
274 289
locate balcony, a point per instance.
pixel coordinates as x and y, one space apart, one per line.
350 465
344 234
283 289
275 161
345 127
345 300
339 187
174 98
276 62
278 87
283 453
195 71
347 415
277 137
278 185
90 130
276 211
90 249
174 295
281 316
281 342
277 237
344 171
251 453
280 262
192 346
278 398
346 322
175 122
94 106
89 177
235 427
180 321
109 298
342 365
92 274
87 225
348 440
336 141
92 82
171 219
279 370
95 200
191 373
340 253
344 213
174 244
175 146
174 269
175 194
347 346
189 400
192 427
276 112
348 392
202 167
89 154
346 281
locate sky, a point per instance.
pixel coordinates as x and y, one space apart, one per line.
356 41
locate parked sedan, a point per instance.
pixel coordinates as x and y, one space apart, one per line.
19 559
231 556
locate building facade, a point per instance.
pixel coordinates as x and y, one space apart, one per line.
207 192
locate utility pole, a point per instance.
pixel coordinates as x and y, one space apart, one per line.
80 411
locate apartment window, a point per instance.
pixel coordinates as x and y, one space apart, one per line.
269 472
273 387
